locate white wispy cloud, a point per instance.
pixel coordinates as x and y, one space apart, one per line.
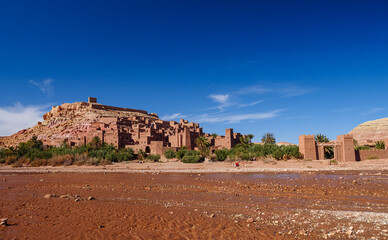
236 97
45 86
235 118
18 117
174 116
251 104
222 99
373 111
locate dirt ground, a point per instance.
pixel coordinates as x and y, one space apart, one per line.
324 204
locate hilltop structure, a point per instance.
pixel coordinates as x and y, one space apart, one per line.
78 123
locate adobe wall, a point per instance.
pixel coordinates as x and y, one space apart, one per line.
105 107
307 147
365 154
347 151
343 148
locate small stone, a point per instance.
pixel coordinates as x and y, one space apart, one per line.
41 180
250 220
4 222
64 196
91 198
4 179
289 232
77 200
49 196
147 188
349 232
171 213
212 215
248 225
354 181
101 226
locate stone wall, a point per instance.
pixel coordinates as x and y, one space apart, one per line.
374 153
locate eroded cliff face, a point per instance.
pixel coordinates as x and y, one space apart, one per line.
371 131
68 120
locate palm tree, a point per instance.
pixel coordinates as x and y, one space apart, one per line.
268 138
203 145
321 138
95 143
329 151
250 137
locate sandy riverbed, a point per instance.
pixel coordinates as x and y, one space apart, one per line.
275 204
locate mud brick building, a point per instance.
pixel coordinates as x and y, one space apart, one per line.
80 122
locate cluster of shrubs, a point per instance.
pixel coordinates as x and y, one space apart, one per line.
248 152
186 156
34 153
253 152
378 145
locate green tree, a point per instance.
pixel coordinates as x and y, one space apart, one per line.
321 138
221 154
214 135
203 145
250 137
268 138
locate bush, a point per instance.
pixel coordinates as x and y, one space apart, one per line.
277 154
38 162
125 154
221 154
363 147
169 154
380 145
10 159
372 157
154 157
181 153
64 160
141 155
192 159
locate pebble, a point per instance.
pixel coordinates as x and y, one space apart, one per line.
250 220
49 196
91 198
212 215
4 222
77 200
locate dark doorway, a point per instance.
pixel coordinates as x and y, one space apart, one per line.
148 149
329 152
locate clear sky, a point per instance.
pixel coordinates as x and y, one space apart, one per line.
287 67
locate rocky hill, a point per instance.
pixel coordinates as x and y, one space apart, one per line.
371 131
69 119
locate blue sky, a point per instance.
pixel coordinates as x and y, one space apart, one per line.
287 67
